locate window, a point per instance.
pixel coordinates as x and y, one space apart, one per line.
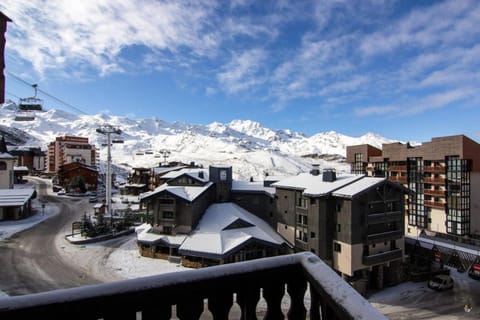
3 165
167 230
223 175
312 234
167 214
339 227
337 247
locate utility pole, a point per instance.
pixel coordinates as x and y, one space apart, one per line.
166 154
107 130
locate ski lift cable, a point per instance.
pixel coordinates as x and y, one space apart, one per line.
13 95
35 86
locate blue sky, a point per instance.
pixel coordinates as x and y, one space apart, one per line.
407 70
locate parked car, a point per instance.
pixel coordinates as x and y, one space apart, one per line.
61 192
93 199
441 282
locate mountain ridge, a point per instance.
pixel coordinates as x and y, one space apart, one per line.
251 148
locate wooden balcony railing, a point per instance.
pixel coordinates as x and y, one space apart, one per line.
384 236
434 193
434 180
434 169
222 286
398 179
397 168
434 204
382 257
384 217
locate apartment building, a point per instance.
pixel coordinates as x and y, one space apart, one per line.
352 222
443 176
69 149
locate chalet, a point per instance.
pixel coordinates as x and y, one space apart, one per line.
14 203
33 158
69 171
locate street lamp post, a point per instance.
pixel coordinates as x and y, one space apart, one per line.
108 130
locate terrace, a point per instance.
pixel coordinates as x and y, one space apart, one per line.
330 297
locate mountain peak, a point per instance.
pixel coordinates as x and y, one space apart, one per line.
248 146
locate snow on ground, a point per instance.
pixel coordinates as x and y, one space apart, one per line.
128 263
9 228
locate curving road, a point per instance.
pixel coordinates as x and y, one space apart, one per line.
32 260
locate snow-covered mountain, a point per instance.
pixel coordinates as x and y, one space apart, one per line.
249 147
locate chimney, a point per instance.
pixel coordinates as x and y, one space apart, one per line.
315 169
329 175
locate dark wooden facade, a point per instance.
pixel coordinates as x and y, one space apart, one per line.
70 170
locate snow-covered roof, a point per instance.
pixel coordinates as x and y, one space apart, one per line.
160 170
5 155
15 197
223 228
357 187
134 185
189 193
274 178
313 185
20 168
192 172
145 235
247 186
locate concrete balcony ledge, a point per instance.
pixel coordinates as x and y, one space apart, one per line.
242 283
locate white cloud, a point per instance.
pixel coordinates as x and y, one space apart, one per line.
375 111
243 71
93 33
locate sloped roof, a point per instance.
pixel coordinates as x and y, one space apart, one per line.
145 235
15 197
193 173
165 170
188 193
8 156
313 185
220 231
256 186
358 187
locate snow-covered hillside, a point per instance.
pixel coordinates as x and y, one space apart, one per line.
249 147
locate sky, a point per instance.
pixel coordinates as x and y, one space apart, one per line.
407 70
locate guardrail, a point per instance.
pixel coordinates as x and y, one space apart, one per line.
153 297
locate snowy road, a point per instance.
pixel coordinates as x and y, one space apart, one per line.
40 259
30 259
414 300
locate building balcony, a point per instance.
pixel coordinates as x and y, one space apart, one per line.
384 236
434 169
382 257
434 193
399 179
435 204
434 180
384 217
397 168
242 283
